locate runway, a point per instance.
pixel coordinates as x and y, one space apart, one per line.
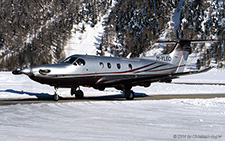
108 98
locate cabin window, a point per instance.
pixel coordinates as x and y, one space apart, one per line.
118 66
101 65
130 66
109 65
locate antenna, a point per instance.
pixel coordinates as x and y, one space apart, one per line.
128 56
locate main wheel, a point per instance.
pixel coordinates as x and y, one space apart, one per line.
129 94
79 94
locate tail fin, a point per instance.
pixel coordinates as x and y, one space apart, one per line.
180 53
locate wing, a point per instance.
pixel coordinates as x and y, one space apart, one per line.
152 78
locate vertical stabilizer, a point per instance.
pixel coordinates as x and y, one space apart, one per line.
179 55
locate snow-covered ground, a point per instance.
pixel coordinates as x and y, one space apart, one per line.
128 120
114 120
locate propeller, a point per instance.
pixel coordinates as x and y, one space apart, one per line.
27 71
16 72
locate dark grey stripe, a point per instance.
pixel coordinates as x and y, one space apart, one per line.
152 68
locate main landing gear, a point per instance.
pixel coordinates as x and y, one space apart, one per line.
129 94
78 93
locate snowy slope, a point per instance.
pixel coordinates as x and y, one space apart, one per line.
88 41
170 31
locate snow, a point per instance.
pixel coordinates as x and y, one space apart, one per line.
176 16
116 120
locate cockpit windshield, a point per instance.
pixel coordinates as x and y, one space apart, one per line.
74 60
69 60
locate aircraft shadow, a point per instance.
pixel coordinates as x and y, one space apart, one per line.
49 97
38 95
113 97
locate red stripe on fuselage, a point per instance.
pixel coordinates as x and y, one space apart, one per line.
166 69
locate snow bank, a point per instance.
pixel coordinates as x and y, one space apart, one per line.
117 120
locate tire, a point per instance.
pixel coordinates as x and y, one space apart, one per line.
79 94
129 95
56 97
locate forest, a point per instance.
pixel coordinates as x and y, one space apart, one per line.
35 32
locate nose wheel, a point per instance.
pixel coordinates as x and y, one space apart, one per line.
56 96
78 93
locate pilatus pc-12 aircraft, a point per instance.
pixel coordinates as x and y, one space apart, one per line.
101 72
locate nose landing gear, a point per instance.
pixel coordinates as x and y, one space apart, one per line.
56 96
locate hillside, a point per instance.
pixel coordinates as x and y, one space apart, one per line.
33 33
37 33
134 26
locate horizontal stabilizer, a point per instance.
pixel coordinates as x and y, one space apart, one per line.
183 41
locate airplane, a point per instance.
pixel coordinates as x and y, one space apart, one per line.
101 72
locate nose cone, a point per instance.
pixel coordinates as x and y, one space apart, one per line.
27 71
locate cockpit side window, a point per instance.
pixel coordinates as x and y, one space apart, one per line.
80 62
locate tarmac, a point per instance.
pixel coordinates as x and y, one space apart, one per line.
49 99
